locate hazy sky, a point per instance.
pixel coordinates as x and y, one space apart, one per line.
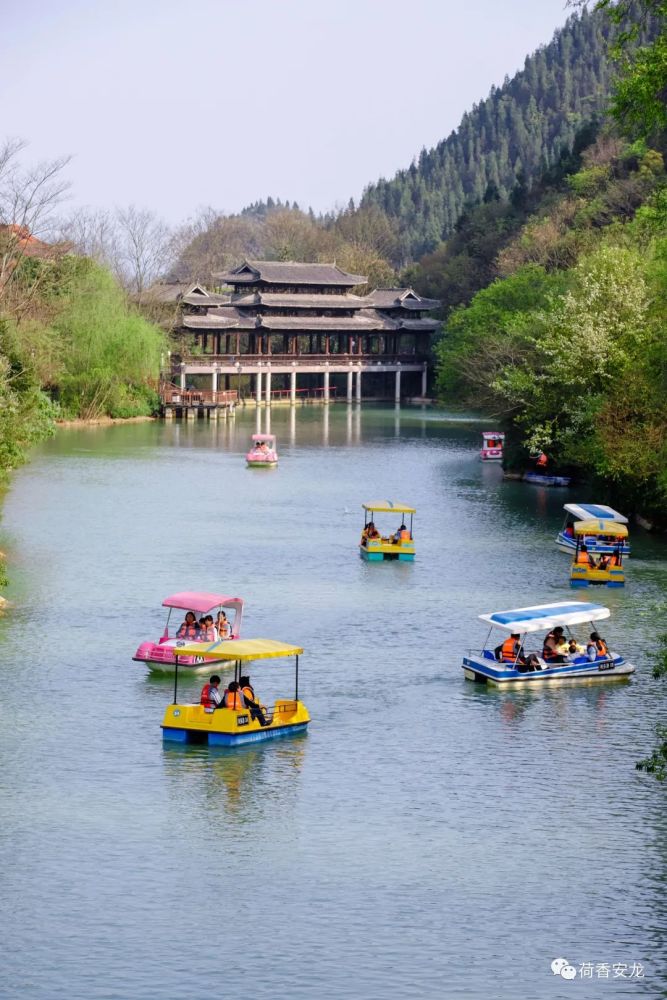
177 104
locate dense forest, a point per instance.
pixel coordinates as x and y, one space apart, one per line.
512 137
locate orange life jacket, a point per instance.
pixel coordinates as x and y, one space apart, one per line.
206 699
405 535
508 650
582 558
233 700
248 692
542 461
187 631
601 647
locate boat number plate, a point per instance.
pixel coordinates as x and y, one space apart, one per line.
606 666
242 720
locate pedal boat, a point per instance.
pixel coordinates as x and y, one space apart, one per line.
492 446
399 546
597 542
263 453
160 656
587 571
230 727
482 666
542 479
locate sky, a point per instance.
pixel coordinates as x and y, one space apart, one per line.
174 105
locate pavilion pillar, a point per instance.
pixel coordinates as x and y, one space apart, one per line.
424 377
359 385
182 377
258 387
326 386
214 381
349 385
397 388
267 388
292 387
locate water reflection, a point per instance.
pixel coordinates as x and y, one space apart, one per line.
240 784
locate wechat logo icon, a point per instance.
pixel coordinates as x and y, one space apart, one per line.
561 967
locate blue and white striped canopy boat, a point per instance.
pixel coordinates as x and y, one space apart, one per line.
528 666
590 512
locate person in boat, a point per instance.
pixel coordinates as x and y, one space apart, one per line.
233 697
603 562
574 649
542 461
211 696
511 650
402 535
555 647
223 626
206 633
597 648
370 531
189 629
256 710
584 558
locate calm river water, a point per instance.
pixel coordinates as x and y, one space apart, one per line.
427 838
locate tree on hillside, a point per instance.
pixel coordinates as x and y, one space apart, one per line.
640 97
29 197
144 248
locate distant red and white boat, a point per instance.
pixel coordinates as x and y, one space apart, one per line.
492 446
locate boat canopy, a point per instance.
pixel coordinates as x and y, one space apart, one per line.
587 511
388 507
238 649
195 600
546 616
600 528
493 434
269 438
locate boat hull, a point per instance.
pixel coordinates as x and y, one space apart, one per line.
487 670
491 455
229 727
378 552
538 479
252 464
585 576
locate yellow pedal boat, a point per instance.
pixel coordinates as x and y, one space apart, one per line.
374 546
605 569
193 723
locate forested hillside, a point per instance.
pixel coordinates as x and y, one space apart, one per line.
563 338
513 136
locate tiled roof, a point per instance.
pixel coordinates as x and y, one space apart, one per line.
285 300
399 298
289 272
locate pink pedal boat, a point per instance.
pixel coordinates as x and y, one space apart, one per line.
263 453
160 656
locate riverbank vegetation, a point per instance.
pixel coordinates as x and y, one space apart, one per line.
72 345
558 330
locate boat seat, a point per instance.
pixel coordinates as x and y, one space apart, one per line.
489 655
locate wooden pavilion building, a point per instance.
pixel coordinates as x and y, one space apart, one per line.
283 320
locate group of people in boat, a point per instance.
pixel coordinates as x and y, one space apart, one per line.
586 558
238 695
371 532
206 629
556 649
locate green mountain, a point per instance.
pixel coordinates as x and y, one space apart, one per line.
517 133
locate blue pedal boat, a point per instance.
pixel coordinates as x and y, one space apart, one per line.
483 667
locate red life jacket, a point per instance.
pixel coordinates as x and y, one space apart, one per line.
206 699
